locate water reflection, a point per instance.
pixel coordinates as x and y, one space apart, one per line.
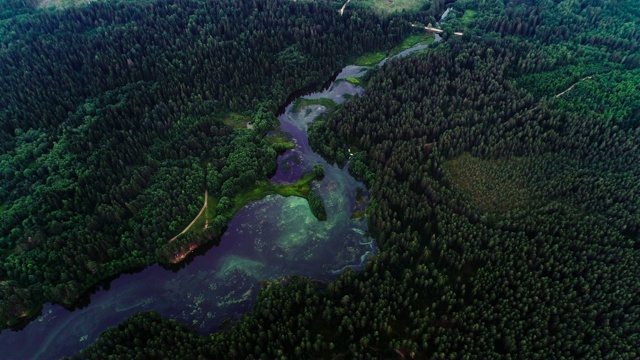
267 239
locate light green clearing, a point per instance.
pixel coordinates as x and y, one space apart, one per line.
387 7
301 103
413 40
353 80
235 120
373 58
280 142
468 17
61 4
369 59
301 189
494 186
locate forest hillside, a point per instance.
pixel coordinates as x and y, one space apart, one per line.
502 166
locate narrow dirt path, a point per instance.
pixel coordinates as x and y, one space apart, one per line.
344 6
572 86
204 207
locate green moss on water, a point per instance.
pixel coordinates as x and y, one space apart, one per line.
358 214
353 80
238 263
301 103
301 188
262 189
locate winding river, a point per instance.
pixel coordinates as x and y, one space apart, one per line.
269 239
266 240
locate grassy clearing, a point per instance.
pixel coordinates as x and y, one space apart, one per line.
413 40
387 7
373 58
354 81
207 215
62 4
301 103
301 188
235 120
494 186
468 16
280 141
369 59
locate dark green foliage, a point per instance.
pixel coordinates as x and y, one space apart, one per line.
553 277
318 172
11 8
108 128
316 205
152 336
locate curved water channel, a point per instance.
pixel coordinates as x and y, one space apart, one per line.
268 239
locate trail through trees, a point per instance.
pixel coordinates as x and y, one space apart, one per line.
572 86
344 6
204 207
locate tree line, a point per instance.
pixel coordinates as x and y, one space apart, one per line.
110 126
549 270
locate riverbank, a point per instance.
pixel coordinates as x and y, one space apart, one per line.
374 58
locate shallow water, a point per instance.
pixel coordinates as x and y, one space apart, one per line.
267 239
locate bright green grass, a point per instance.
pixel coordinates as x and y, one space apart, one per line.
369 59
387 7
412 40
468 17
353 80
301 103
235 120
301 188
280 142
373 58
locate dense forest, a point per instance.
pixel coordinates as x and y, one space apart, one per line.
502 167
112 127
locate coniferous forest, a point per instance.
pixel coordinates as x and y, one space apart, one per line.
502 164
109 133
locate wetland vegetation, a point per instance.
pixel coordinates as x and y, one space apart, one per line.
501 169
